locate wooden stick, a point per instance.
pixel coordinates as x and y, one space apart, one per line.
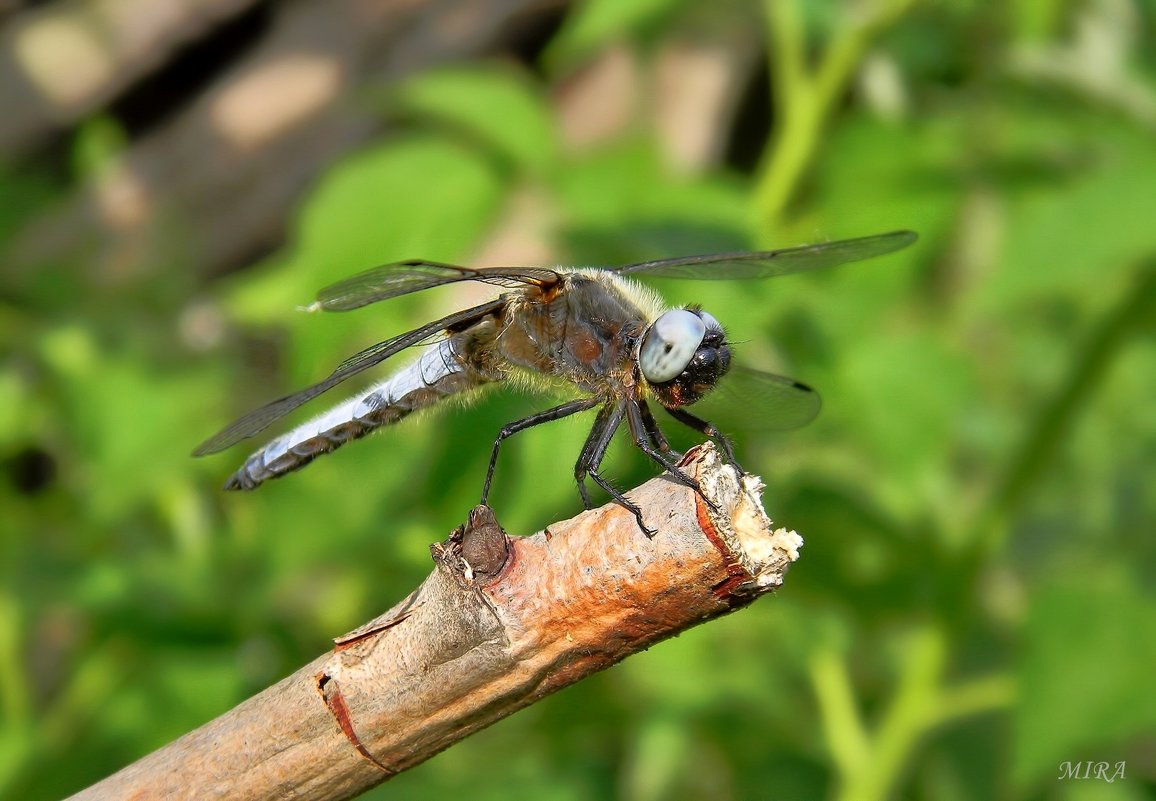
500 623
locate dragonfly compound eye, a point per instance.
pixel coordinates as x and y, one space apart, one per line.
670 344
710 321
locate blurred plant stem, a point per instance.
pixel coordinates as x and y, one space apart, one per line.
804 97
869 763
1028 463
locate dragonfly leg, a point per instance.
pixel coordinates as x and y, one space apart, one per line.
622 500
594 449
710 431
639 431
607 422
656 435
508 430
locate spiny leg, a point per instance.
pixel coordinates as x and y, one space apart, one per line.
656 435
622 501
710 431
639 433
607 422
594 449
557 413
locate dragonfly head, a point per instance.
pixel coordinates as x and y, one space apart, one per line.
683 355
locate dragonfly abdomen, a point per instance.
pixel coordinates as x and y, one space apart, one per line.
436 376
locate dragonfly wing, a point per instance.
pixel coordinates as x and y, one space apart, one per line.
770 263
752 400
260 419
403 277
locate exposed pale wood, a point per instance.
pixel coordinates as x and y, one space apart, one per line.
478 641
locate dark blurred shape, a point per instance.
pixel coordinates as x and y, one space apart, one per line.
31 470
193 69
753 121
531 33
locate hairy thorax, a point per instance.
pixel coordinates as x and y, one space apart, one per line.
584 334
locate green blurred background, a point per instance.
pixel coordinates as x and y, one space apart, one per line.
976 603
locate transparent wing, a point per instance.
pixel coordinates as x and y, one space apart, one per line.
770 263
751 400
403 277
260 419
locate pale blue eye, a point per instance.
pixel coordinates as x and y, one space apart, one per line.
711 323
670 344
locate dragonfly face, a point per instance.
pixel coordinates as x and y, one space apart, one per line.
591 329
683 355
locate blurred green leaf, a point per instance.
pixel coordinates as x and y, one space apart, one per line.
118 410
623 205
1109 190
426 197
876 176
497 106
906 395
597 22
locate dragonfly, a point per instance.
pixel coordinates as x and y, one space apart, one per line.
594 331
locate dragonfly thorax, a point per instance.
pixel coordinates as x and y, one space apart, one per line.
683 355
